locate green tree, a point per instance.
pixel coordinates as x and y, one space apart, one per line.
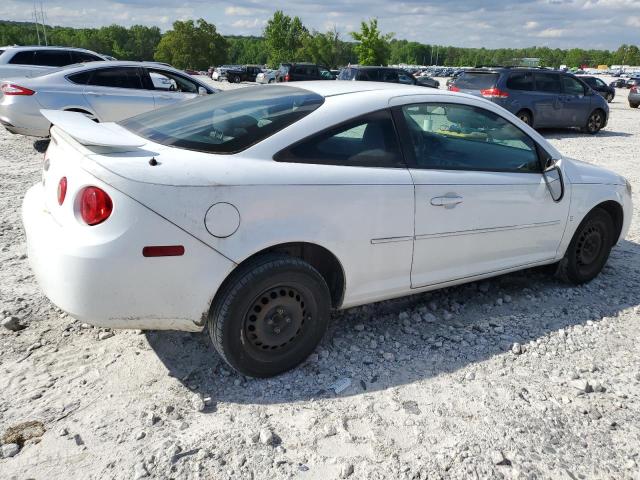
284 37
372 47
192 45
325 48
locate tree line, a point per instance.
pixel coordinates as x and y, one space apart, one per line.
198 45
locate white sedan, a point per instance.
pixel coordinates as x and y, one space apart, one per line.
257 211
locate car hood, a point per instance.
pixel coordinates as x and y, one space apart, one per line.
580 172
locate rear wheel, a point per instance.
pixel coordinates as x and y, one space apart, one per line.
589 248
634 105
525 116
595 122
270 315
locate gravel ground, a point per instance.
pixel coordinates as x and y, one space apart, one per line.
517 377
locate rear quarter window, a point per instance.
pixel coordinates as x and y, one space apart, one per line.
547 82
24 57
226 123
477 80
520 81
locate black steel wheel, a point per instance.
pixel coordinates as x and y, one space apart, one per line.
595 122
589 248
269 315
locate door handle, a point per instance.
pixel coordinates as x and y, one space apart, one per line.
448 201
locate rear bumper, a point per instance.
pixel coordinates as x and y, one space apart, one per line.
22 116
103 278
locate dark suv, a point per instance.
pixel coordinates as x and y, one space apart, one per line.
248 73
540 97
386 74
297 72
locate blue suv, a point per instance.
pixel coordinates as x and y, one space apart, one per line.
540 97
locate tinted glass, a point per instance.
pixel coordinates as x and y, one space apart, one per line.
347 74
369 141
406 78
81 78
462 137
600 83
226 123
476 80
571 86
163 80
120 77
24 57
592 82
82 57
547 82
520 81
52 58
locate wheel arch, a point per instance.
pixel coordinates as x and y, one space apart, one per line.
319 257
616 211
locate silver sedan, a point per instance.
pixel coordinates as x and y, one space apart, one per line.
104 91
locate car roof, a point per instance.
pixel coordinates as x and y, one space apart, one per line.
40 47
330 88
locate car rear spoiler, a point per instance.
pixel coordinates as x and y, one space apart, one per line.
90 133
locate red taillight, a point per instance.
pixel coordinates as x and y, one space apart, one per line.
13 89
453 88
95 205
634 89
493 93
62 190
287 78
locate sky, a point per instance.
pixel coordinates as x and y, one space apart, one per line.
604 24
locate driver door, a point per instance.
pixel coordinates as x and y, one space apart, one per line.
169 88
482 204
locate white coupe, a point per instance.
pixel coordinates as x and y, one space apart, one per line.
257 211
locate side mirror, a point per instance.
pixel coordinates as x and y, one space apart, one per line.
202 91
553 178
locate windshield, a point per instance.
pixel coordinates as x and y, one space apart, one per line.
227 122
476 80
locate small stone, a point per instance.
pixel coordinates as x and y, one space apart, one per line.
12 324
581 385
470 376
340 385
388 356
140 471
197 402
359 327
63 432
498 458
516 349
499 302
105 335
346 470
330 430
140 435
507 299
10 449
266 437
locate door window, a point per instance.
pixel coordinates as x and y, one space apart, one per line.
24 57
369 141
120 77
168 81
82 57
571 86
547 82
52 58
405 78
463 137
600 83
520 81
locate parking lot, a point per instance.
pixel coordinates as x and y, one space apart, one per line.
521 376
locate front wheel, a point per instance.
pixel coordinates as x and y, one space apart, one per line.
634 105
595 122
270 315
589 248
609 98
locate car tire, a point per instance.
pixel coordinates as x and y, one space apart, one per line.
271 80
634 105
595 122
525 116
589 248
609 98
269 315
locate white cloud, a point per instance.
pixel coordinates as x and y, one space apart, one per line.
531 25
551 33
633 22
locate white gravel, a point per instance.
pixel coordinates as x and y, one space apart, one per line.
518 377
